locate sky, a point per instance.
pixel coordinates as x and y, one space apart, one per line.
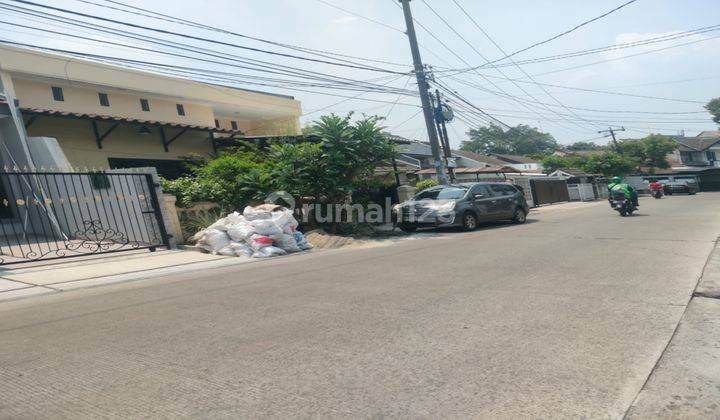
680 77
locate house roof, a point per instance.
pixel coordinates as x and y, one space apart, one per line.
487 170
710 133
479 157
697 144
109 118
574 172
515 158
56 66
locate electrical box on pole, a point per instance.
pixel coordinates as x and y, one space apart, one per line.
428 111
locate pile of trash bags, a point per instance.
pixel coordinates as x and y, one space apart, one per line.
260 231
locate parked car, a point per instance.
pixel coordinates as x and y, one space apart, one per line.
682 187
463 205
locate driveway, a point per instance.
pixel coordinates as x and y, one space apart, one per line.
565 316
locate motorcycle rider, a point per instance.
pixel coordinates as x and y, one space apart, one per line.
655 187
616 184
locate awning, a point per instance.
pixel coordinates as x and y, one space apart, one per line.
109 118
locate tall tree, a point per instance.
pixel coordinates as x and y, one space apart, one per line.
713 107
610 164
650 152
552 163
518 140
585 145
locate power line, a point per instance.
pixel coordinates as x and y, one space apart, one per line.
576 27
197 38
168 18
465 61
607 92
613 47
263 65
480 28
141 65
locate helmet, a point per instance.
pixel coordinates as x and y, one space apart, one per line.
616 179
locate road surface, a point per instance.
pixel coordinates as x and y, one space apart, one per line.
565 316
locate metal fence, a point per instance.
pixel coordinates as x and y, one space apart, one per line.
546 191
50 215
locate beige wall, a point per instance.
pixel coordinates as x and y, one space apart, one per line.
33 94
78 142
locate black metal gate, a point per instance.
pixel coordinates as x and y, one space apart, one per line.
545 191
50 215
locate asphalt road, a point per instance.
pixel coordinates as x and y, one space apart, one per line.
564 316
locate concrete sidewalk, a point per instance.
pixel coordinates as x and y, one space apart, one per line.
74 274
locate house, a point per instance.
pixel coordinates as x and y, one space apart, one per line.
695 159
521 163
415 162
106 116
698 151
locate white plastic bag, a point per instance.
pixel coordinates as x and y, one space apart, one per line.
284 218
266 227
288 243
251 214
213 240
241 231
268 251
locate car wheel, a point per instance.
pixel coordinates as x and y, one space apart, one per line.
469 221
519 217
407 228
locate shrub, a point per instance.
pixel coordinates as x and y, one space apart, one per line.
425 184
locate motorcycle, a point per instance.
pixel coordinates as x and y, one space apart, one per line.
619 203
656 193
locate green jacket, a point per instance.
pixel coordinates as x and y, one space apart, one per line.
625 188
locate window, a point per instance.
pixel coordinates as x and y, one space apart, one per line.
500 189
145 105
104 101
180 109
57 93
685 156
442 193
481 189
233 124
710 155
217 124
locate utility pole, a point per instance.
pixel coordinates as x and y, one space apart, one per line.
424 95
442 132
612 131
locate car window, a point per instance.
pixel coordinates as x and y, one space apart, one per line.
500 189
482 189
446 193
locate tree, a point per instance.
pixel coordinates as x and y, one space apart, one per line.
610 164
650 152
585 145
552 163
519 140
713 107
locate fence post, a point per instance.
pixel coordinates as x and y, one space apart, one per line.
152 187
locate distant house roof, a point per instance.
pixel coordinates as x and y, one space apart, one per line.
479 157
710 133
487 170
398 139
515 158
573 171
697 144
